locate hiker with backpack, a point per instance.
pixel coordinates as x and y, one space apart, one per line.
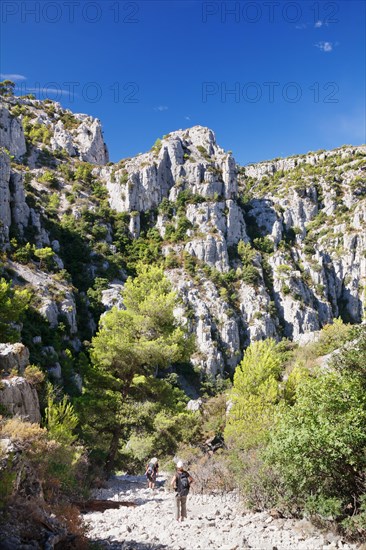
181 482
151 472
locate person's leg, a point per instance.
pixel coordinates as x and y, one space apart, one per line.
183 504
177 507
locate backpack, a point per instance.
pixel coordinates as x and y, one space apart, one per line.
183 484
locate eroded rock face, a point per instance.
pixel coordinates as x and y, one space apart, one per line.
5 211
78 135
11 133
55 297
89 141
19 398
13 356
185 159
13 206
112 296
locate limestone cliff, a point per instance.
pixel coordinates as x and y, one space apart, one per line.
269 250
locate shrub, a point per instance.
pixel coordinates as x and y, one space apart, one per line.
45 256
264 244
250 275
18 110
166 208
7 88
318 444
333 336
36 133
246 253
24 254
49 178
60 468
34 375
69 120
124 178
203 152
61 420
13 305
84 172
157 146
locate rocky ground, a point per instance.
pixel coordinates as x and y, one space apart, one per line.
214 522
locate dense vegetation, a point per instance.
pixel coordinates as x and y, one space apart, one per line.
296 430
138 411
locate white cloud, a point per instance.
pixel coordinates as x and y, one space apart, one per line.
13 77
318 24
187 117
301 26
161 108
325 46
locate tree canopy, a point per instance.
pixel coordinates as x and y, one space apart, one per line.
255 392
134 342
13 303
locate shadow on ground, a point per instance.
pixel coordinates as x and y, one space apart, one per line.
99 544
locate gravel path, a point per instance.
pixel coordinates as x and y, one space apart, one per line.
215 522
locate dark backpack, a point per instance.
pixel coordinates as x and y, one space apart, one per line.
183 484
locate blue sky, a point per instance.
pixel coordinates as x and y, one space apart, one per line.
296 70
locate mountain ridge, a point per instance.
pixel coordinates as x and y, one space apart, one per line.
275 249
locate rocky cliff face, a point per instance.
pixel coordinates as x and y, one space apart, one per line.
13 356
273 249
19 398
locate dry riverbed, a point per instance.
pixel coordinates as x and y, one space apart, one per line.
215 522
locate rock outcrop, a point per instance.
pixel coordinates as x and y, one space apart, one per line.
79 135
13 356
11 133
19 398
181 161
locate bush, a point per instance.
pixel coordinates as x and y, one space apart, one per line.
61 419
250 275
24 254
45 256
36 133
49 178
84 173
246 253
157 146
59 468
34 375
333 336
13 305
318 445
264 244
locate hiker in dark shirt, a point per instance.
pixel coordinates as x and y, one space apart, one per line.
151 472
181 482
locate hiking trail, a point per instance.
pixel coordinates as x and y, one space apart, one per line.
215 522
